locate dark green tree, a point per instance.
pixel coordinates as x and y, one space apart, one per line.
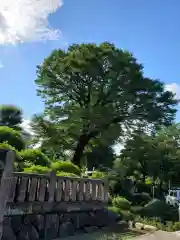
156 156
92 90
12 137
137 156
10 116
50 138
100 157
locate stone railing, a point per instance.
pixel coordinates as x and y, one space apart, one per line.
39 206
50 188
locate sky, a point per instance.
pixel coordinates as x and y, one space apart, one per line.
31 29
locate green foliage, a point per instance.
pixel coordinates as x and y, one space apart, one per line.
121 203
114 209
4 147
126 215
100 156
66 166
53 141
10 116
88 97
37 169
147 157
140 199
44 170
158 208
12 137
167 226
35 156
66 174
98 175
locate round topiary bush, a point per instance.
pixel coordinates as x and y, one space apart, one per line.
35 156
66 166
11 137
121 202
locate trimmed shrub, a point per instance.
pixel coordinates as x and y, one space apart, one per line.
37 169
158 208
140 199
98 175
126 215
122 203
45 170
66 166
35 156
66 174
114 209
11 137
4 148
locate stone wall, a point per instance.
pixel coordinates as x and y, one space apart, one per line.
53 225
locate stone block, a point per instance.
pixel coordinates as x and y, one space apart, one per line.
8 233
91 229
66 229
51 226
139 226
150 228
28 232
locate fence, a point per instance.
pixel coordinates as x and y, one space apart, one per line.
51 188
22 190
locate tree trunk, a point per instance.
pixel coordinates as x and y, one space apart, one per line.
85 138
83 141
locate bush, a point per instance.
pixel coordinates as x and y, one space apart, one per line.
126 215
35 156
144 187
166 226
98 175
37 169
66 166
5 147
114 210
12 137
121 203
66 174
140 198
44 170
158 208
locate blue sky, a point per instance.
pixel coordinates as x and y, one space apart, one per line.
149 29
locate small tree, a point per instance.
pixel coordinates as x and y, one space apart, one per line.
10 116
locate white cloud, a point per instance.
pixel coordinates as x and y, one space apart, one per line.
26 126
27 20
175 88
